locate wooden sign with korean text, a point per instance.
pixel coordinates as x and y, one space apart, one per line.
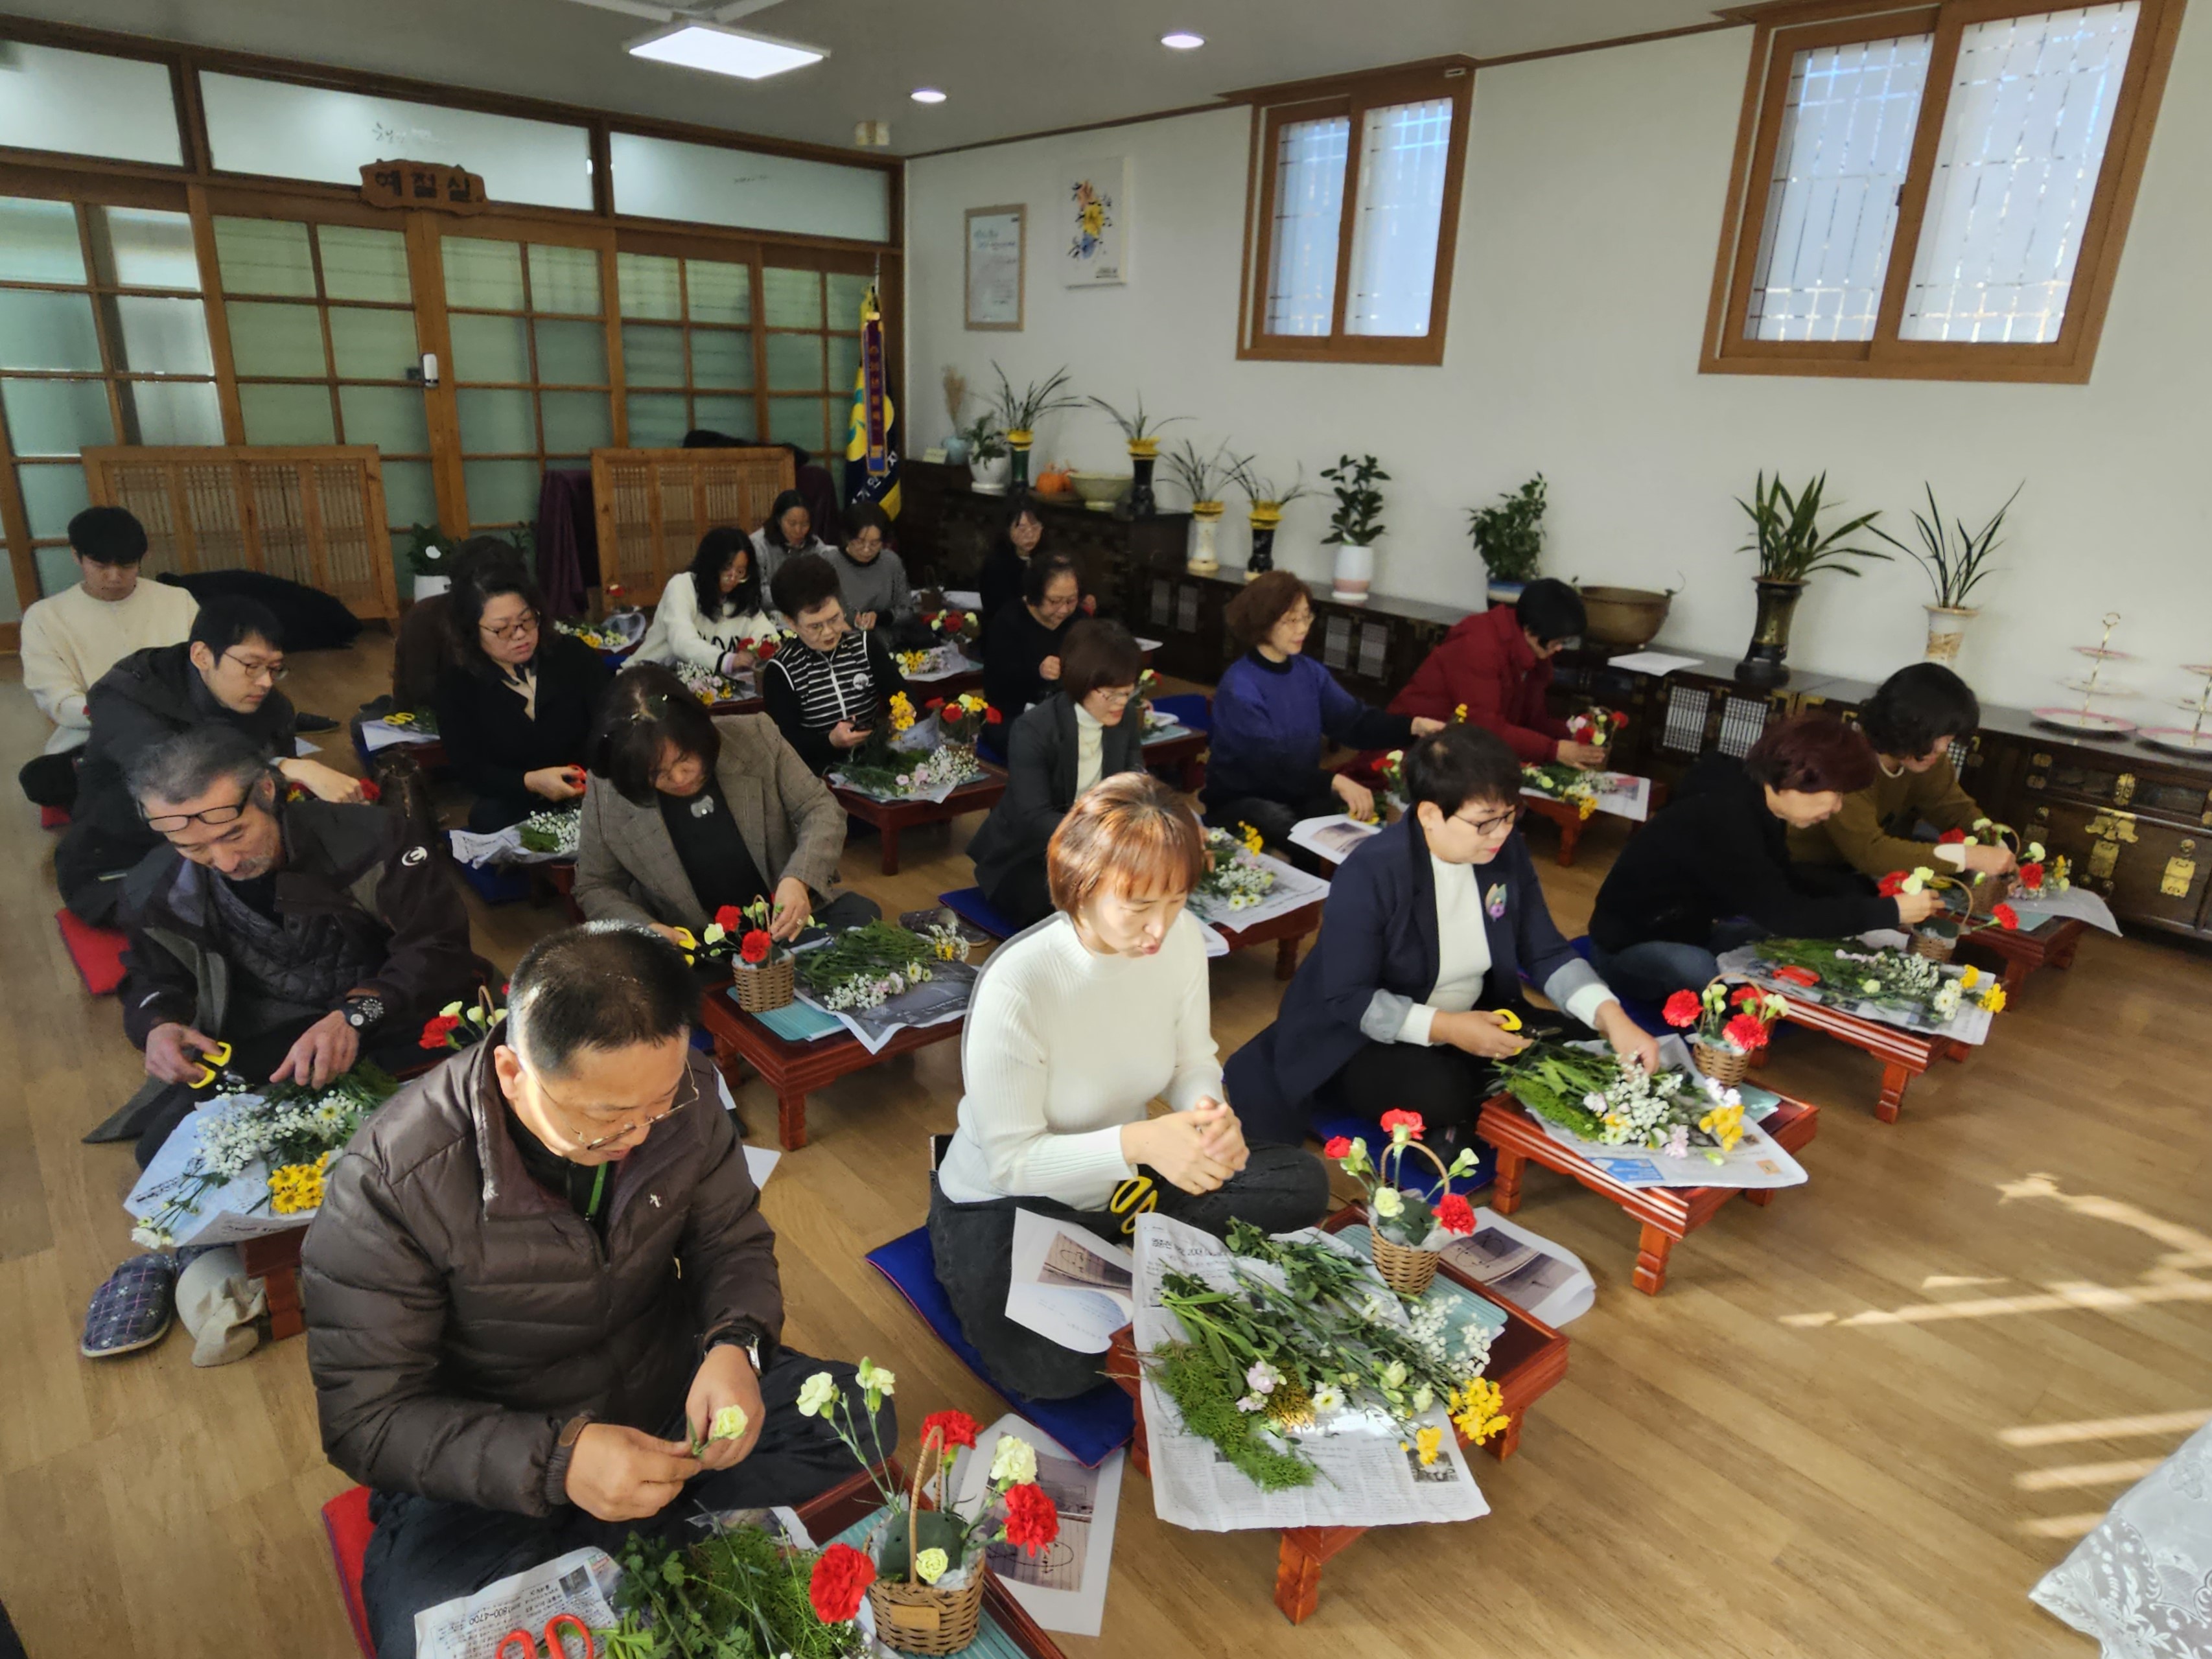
435 186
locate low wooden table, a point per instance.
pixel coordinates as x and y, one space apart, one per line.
1668 1213
890 816
791 1069
1287 931
1904 1054
1526 1358
1569 818
2022 951
274 1258
1185 756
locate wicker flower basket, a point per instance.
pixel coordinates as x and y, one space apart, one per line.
917 1617
1406 1268
1934 946
773 984
1726 1067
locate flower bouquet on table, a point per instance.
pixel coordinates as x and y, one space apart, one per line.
954 626
1406 1234
554 831
1310 1346
744 1590
1897 982
880 768
2042 879
911 662
456 1025
923 1569
1235 880
1937 938
1390 778
762 973
288 1130
709 685
961 719
1596 727
1725 1028
1557 780
1596 1098
865 967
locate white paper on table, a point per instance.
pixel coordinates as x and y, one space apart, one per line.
1069 1285
1216 945
378 735
500 847
1332 835
1624 796
1651 662
1167 734
2076 902
301 748
582 1583
1062 1586
941 998
1545 1280
229 1214
937 794
944 661
1362 1478
1293 889
963 598
1756 1163
1971 1024
1149 646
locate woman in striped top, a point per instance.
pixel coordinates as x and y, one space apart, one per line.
827 688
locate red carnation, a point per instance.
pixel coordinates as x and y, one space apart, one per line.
1683 1009
1031 1520
1794 974
1892 885
842 1577
2005 916
435 1028
756 945
767 650
1619 718
933 705
2030 875
951 1428
1745 1032
1339 1146
369 790
1746 993
1455 1214
729 919
993 717
1951 838
1411 1121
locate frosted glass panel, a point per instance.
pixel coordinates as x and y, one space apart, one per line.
794 362
276 339
490 348
481 275
577 423
264 256
147 249
733 417
564 280
2024 137
1831 205
56 417
572 354
58 570
666 178
373 345
653 355
171 412
409 495
496 422
38 241
160 336
83 103
364 264
288 414
500 492
718 293
796 421
656 419
650 285
845 293
1309 162
52 495
389 417
722 358
844 363
1403 153
47 331
791 299
313 132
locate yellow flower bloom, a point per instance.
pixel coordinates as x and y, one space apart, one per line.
1459 716
1970 978
1427 1444
1725 1125
901 712
297 1187
1250 838
1480 1413
1994 998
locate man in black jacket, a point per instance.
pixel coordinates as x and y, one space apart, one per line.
225 674
304 936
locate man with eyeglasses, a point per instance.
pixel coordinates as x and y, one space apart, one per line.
225 674
538 1277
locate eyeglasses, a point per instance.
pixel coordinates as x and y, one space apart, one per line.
521 627
169 823
823 628
1492 826
1117 699
259 668
687 1094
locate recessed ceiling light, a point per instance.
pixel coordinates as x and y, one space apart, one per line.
928 95
725 50
1183 40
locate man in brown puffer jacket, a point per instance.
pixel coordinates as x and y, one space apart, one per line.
536 1276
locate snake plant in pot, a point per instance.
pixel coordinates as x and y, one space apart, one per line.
1955 567
1792 548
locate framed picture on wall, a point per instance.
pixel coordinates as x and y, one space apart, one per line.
996 244
1093 223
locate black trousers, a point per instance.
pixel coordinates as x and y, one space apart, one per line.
1446 1086
1024 894
426 1551
50 779
489 814
1274 818
1281 1189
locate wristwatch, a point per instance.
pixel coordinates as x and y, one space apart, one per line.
746 1337
362 1012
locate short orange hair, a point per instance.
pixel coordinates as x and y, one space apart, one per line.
1129 831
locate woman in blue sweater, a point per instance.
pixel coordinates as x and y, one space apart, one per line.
1273 709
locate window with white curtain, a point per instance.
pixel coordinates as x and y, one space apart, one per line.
1403 152
1308 215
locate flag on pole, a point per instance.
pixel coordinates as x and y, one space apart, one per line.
872 440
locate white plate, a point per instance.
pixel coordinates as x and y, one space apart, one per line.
2085 721
2177 739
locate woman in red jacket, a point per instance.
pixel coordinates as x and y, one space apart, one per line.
1497 665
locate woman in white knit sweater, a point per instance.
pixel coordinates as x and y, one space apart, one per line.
1075 1027
708 611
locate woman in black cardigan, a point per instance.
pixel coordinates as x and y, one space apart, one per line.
1713 871
516 707
1022 644
1090 728
999 584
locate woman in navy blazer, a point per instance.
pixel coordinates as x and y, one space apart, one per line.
1429 926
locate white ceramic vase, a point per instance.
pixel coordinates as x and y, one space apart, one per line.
428 587
1205 517
1355 574
1946 627
991 476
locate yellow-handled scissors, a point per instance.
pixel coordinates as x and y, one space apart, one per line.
212 1062
1510 1021
1132 1199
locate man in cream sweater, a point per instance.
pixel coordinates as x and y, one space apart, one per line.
71 640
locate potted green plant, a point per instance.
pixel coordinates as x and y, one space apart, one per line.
1267 500
955 400
1954 569
1792 550
1143 435
1356 525
1019 412
1204 477
429 555
988 464
1509 538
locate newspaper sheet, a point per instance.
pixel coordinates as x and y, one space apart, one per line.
965 599
377 735
1068 1284
1971 1024
1062 1586
1365 1477
230 1214
1293 889
2078 901
1756 1163
944 661
1624 796
1216 945
1167 732
1544 1280
500 847
1652 662
944 996
1331 836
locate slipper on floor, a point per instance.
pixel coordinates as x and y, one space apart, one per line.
132 1310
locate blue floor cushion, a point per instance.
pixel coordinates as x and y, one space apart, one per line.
971 906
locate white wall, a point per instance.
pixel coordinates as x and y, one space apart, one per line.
1594 186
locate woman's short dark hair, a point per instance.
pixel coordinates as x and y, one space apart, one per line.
1097 651
1043 570
605 985
1550 609
803 583
647 708
1462 764
1917 706
1812 753
717 547
1266 600
774 528
867 515
476 586
1019 505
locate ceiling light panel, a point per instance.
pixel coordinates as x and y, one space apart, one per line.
927 95
725 52
1183 40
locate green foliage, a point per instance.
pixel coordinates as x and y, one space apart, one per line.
1263 492
740 1595
1955 569
985 441
1552 1079
1203 476
1202 1393
1359 518
1021 411
1138 427
1786 532
1510 538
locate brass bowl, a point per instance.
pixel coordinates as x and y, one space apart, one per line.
1625 616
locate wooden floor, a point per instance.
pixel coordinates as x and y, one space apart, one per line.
1861 1422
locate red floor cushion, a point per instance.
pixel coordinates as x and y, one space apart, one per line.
54 818
345 1521
97 951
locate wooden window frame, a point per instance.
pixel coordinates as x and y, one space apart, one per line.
1785 29
1272 108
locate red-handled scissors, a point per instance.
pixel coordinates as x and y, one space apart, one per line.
519 1642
